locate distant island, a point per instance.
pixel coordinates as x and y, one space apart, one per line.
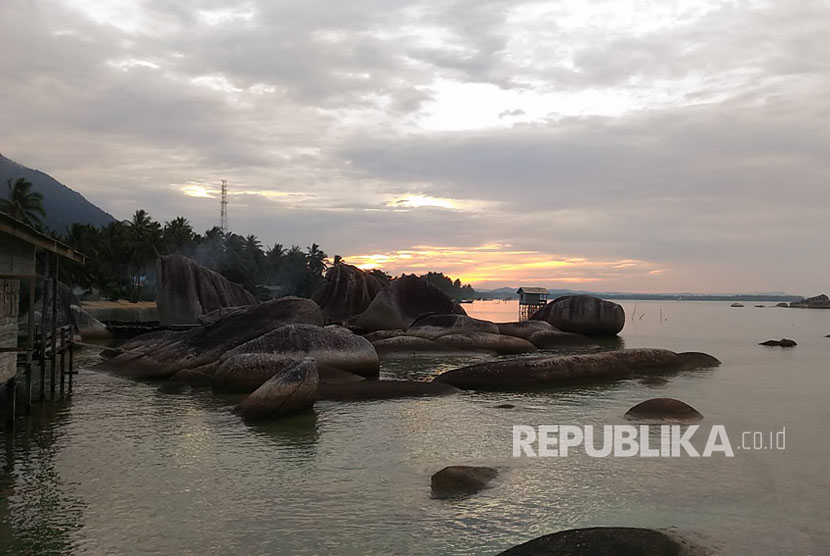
509 292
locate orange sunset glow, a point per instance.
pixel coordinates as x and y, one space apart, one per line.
498 264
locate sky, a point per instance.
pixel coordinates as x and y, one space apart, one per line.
633 145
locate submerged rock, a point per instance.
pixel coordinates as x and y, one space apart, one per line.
347 292
542 372
401 302
601 541
290 391
737 305
383 390
782 304
433 327
583 314
477 341
783 342
664 409
461 480
166 353
187 290
333 346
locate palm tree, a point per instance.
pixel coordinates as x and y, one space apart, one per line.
144 237
317 260
178 234
23 203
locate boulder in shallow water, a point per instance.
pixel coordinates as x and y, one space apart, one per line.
461 480
583 314
187 290
544 372
290 391
664 409
192 378
407 345
384 334
698 360
401 302
346 292
783 342
432 327
478 341
245 372
555 339
333 346
166 353
601 541
524 329
87 325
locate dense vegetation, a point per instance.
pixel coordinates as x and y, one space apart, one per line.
120 256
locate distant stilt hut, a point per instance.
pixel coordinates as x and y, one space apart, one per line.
531 299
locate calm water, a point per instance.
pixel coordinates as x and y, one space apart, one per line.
124 469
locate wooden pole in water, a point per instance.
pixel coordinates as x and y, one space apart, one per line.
30 344
41 341
54 344
63 358
71 359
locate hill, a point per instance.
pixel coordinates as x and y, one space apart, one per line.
63 206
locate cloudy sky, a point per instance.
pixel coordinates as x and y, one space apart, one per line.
667 145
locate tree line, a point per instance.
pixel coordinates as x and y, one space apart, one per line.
120 256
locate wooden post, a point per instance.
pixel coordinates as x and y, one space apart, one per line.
71 360
11 401
42 332
54 343
63 358
30 344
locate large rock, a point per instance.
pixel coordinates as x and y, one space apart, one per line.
290 391
245 372
783 342
166 353
461 480
664 409
87 325
529 373
347 292
432 327
484 341
383 390
524 329
556 339
333 346
817 302
583 314
401 302
407 345
187 290
601 541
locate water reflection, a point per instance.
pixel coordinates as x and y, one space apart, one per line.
38 515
